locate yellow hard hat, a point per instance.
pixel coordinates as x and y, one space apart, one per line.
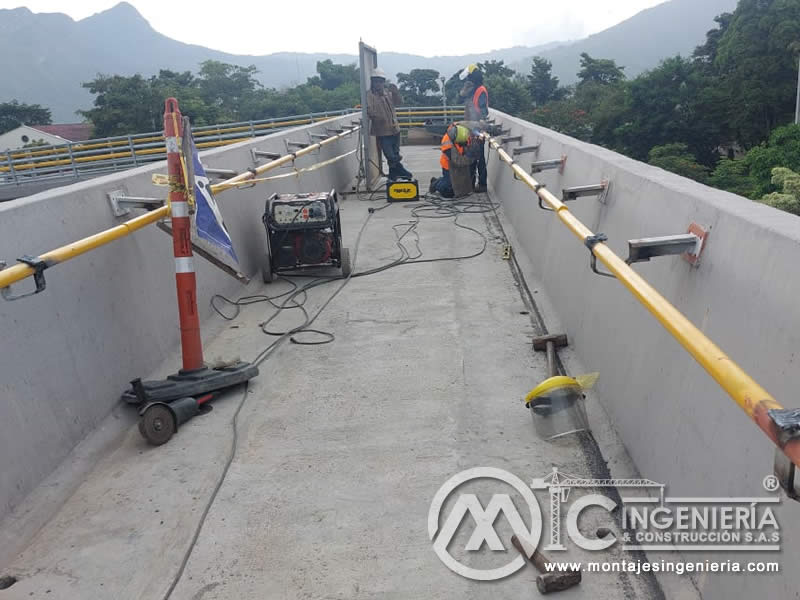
458 133
467 70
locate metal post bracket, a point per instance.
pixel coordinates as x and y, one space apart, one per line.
121 204
642 250
511 138
543 165
525 149
590 242
596 189
35 263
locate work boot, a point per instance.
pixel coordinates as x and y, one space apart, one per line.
480 188
403 172
432 186
392 174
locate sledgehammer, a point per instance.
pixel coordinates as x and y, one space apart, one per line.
549 344
549 580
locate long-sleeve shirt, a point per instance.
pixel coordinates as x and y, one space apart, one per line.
382 115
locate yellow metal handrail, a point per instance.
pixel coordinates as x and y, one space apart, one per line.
18 272
745 391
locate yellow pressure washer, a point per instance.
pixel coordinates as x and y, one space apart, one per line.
402 190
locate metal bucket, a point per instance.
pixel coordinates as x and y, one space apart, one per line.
557 408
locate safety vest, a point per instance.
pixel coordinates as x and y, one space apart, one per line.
448 144
481 90
472 110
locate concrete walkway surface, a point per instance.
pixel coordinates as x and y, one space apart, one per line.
340 448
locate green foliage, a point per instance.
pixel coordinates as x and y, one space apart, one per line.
419 87
599 70
507 94
565 117
758 68
677 158
542 85
788 198
13 114
332 76
219 93
496 67
733 176
781 150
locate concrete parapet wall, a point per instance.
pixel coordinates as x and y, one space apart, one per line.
678 425
110 316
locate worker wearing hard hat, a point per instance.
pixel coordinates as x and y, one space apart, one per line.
383 122
476 108
457 139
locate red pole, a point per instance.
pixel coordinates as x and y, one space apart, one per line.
191 345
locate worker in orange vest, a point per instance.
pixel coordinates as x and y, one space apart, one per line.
455 139
476 108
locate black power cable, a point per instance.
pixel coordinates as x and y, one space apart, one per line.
297 296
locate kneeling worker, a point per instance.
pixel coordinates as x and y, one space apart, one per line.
456 139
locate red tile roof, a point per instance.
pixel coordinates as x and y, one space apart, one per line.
74 132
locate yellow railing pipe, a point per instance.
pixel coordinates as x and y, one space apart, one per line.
283 160
18 272
745 391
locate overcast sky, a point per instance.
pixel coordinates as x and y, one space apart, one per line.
411 26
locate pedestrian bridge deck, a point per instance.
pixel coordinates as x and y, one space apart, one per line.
338 448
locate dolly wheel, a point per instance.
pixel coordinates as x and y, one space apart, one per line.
266 273
157 424
344 262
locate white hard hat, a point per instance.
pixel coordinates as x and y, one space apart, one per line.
378 72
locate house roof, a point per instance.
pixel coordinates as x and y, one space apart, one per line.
73 132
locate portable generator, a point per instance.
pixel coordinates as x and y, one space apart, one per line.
303 230
402 190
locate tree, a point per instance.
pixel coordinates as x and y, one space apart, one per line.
123 105
331 75
733 175
788 198
225 87
757 68
507 94
495 67
677 158
706 54
781 150
599 70
13 114
417 87
565 117
542 85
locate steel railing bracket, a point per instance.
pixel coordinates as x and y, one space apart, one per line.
121 204
693 258
38 265
590 242
511 138
526 149
787 425
259 154
596 189
220 173
642 250
543 165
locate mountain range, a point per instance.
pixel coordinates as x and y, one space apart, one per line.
46 56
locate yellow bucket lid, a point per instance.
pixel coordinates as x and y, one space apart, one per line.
549 385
